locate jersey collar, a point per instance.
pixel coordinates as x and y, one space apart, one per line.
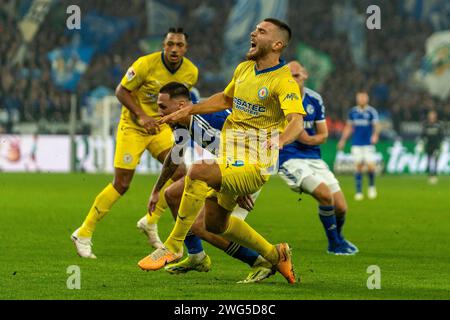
167 67
362 109
278 66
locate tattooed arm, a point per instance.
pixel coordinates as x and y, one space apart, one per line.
167 171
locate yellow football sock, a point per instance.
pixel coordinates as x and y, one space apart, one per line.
194 195
104 201
240 232
161 205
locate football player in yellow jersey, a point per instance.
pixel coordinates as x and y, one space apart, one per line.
138 131
264 98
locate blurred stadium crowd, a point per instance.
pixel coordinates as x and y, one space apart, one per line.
27 93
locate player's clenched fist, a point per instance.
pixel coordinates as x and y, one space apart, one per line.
152 201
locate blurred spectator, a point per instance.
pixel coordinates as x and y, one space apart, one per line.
28 94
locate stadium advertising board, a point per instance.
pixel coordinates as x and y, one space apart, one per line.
47 153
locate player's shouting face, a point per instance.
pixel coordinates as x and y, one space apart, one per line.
265 39
175 46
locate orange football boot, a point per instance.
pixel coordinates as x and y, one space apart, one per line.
285 265
159 259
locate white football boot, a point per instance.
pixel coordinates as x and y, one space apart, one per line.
151 231
359 196
83 245
372 193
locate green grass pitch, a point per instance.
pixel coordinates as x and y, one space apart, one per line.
405 232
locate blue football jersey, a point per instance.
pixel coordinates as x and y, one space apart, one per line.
315 109
363 121
204 130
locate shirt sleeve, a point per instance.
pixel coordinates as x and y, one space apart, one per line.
135 75
194 79
350 116
375 116
229 90
289 97
320 115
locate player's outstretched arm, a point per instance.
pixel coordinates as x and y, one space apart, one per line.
345 135
320 137
167 171
293 129
125 97
215 103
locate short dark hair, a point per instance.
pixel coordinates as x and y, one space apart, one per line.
176 89
177 30
282 25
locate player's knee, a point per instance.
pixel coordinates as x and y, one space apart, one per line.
121 186
197 172
323 195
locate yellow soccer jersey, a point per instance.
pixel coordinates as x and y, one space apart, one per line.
261 101
146 77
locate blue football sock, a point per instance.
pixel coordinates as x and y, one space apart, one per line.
193 243
339 224
239 252
358 179
371 179
328 219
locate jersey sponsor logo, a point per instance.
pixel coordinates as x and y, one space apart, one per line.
131 74
361 122
263 93
310 109
248 107
238 163
291 97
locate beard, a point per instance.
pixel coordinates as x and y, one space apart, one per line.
261 52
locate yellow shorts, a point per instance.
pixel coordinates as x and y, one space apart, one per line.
131 143
238 179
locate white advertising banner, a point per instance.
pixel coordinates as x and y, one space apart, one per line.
51 153
46 153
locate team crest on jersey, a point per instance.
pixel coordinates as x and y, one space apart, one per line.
310 109
263 93
127 158
130 74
